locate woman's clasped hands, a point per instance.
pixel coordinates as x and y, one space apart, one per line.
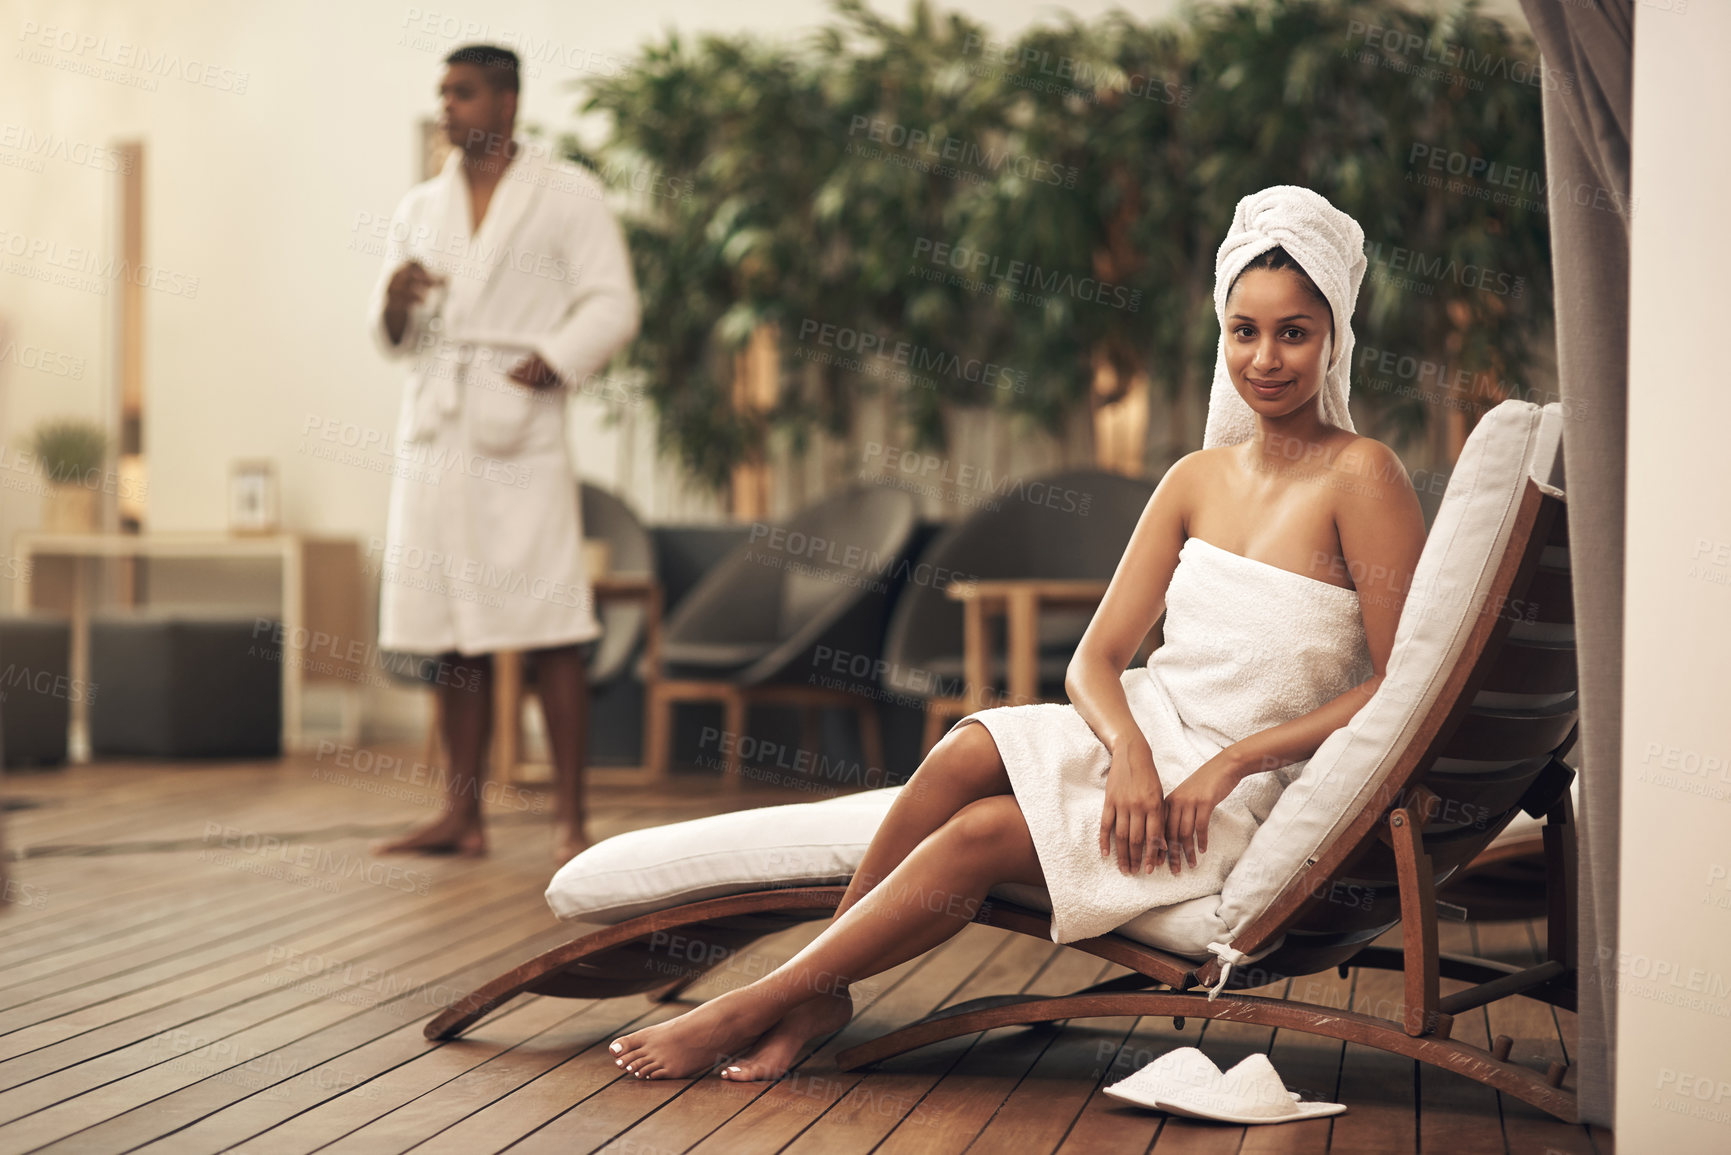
1148 827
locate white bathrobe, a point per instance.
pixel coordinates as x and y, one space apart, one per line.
483 541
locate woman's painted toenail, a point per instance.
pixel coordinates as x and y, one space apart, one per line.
616 1047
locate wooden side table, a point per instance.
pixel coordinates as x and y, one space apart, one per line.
321 616
508 694
1021 601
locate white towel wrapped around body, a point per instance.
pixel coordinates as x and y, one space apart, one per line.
1247 645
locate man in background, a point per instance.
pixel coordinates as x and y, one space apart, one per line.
506 282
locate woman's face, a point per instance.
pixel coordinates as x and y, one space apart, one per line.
1278 341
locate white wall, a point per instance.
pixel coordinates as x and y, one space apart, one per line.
1674 973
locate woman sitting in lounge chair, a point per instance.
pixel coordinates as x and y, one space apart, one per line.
1281 553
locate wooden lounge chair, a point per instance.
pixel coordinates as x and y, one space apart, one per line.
1472 760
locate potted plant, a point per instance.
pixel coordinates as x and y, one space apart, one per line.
71 453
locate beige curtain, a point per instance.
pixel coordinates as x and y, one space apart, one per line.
1590 44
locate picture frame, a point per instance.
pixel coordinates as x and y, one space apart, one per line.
253 503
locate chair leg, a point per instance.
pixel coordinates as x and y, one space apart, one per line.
871 734
1417 927
660 708
734 726
1560 924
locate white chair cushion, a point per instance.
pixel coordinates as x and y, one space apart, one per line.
1515 440
821 843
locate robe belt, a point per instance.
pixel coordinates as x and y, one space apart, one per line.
439 386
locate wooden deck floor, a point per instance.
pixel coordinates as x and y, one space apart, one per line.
198 958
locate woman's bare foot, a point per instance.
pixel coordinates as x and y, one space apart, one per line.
777 1050
450 834
698 1039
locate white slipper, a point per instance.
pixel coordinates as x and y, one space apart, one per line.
1185 1082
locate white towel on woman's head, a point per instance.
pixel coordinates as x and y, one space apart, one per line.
1328 245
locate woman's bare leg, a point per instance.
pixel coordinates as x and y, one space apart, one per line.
964 766
935 891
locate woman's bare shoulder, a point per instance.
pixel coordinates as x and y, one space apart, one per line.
1371 461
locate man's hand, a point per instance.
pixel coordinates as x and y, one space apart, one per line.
535 373
1192 803
1133 815
407 288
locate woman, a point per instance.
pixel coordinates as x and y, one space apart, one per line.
1297 539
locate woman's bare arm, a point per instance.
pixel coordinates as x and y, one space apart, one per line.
1133 815
1134 601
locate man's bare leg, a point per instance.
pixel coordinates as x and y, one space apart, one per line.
465 694
562 679
963 767
934 893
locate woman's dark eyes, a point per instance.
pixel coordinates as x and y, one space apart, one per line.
1297 334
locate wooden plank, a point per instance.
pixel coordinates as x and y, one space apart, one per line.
464 1119
152 1069
143 1004
165 1098
398 1076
